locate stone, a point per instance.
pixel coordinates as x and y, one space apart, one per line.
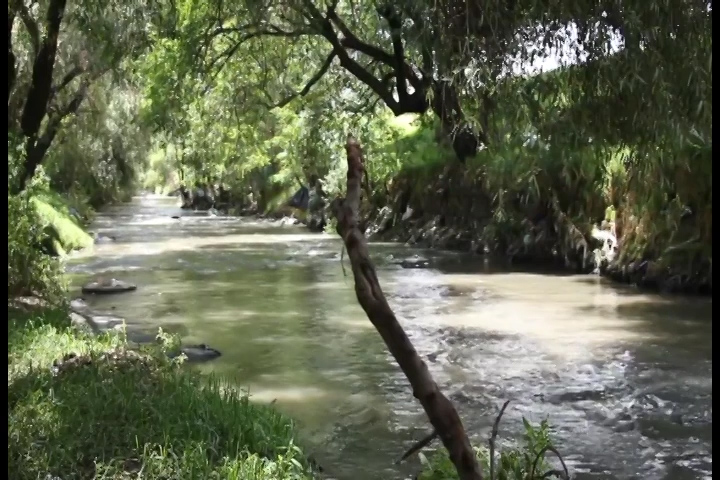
198 353
108 286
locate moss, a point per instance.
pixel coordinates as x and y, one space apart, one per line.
67 230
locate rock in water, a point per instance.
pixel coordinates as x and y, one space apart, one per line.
198 353
108 286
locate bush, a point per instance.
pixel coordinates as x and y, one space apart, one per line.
86 407
31 271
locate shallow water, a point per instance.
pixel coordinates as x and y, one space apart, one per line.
624 378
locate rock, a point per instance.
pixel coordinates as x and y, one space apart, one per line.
175 217
197 353
414 262
81 323
108 286
79 304
289 221
102 239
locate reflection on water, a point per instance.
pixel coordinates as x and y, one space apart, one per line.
625 378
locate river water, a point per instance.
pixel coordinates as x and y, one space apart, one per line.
624 378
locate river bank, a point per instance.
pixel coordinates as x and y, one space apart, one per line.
568 226
88 407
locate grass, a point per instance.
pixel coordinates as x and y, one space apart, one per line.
86 407
54 211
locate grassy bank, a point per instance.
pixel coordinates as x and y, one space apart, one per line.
86 407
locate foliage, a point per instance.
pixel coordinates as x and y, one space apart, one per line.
36 230
628 126
85 407
57 54
512 463
100 155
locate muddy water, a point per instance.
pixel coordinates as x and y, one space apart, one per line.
624 378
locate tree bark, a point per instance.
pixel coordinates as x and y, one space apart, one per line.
439 409
42 72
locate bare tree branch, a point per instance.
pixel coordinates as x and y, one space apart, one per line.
419 445
439 409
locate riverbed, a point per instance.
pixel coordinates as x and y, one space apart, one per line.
625 378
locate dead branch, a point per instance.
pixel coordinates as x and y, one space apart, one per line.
417 446
440 411
342 260
493 437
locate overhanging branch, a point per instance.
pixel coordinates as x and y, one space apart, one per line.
326 29
30 25
313 80
75 72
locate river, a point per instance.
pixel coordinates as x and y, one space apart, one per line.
624 378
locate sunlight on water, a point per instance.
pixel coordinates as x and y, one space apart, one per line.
625 378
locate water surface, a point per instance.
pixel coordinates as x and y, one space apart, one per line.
624 378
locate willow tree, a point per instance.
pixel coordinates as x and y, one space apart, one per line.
56 51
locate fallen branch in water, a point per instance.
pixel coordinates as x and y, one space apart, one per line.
342 260
440 411
493 437
417 446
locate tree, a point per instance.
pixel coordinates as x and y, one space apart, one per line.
54 58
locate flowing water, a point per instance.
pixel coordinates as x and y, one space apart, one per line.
624 378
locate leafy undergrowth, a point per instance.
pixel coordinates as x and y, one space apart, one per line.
523 462
86 407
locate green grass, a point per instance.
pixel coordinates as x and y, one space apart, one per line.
54 211
86 407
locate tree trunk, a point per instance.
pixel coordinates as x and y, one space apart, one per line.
11 54
439 409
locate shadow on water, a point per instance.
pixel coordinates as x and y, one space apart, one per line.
625 378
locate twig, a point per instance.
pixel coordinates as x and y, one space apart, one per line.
342 260
417 446
565 474
493 436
